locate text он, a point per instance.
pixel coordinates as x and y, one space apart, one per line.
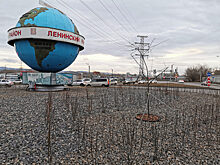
15 33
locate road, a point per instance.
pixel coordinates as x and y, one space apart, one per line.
198 84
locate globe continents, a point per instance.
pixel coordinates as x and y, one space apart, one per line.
53 57
46 39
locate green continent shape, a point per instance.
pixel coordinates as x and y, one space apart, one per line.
41 52
31 15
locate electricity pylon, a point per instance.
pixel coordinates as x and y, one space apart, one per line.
143 49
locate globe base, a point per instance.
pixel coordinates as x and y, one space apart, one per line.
46 88
52 86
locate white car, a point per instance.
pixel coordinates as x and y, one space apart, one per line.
6 82
86 81
181 81
113 82
99 82
129 81
205 83
78 83
142 82
17 81
154 81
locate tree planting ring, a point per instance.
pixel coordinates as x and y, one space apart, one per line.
146 117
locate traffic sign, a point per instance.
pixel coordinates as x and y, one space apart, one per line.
209 74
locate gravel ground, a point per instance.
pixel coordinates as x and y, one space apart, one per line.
98 126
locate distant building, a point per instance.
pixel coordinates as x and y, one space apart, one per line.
13 76
215 78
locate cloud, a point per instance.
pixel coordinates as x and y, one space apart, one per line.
104 63
192 28
183 53
10 60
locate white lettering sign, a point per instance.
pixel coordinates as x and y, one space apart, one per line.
45 33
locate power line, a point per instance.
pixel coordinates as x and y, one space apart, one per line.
103 5
126 9
85 25
124 16
79 21
87 21
160 43
89 25
90 9
46 3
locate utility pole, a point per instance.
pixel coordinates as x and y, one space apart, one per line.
21 66
89 75
89 71
171 72
143 49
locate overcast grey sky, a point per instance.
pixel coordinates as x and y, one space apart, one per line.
191 27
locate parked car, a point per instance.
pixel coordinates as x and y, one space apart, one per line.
78 83
6 82
86 80
142 82
181 81
17 81
129 81
205 83
154 81
113 82
99 82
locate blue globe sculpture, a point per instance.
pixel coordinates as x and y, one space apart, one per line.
46 40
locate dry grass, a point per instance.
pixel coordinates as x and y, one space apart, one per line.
98 126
